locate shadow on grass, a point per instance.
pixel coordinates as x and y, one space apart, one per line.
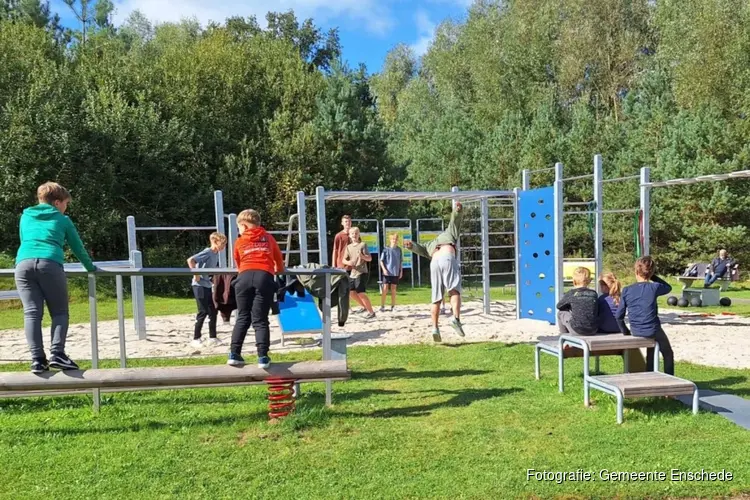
459 398
725 384
167 423
403 373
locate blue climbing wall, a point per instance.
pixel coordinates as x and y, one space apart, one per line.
536 247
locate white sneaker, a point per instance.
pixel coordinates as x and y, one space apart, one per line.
213 342
196 343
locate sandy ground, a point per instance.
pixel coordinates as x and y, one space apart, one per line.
714 341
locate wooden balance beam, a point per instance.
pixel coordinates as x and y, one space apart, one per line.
170 377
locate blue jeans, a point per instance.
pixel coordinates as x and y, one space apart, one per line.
718 273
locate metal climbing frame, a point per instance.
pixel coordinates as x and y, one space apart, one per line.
646 186
321 196
597 210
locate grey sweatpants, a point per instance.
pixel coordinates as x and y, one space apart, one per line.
41 281
445 275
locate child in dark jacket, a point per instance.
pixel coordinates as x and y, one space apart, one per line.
578 308
609 301
639 301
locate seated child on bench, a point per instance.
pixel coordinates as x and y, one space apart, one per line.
609 300
639 301
577 309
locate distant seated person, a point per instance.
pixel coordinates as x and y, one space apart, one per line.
578 309
719 267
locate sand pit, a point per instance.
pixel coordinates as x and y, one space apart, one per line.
715 341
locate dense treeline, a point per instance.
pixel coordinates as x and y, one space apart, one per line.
522 84
148 120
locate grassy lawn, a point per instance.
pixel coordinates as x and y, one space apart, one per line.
414 422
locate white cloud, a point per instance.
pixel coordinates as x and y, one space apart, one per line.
425 32
375 16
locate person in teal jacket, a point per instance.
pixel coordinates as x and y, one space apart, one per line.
40 277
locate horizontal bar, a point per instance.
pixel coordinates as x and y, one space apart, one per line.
176 228
620 210
575 178
702 178
181 271
583 259
618 179
498 247
496 233
512 273
412 195
573 212
296 233
576 203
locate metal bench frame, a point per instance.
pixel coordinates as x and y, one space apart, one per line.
615 391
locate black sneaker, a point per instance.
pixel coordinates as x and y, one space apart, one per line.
39 366
62 362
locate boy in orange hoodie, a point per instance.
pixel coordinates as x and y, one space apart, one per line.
257 257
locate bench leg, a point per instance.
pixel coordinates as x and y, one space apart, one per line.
656 358
586 361
696 401
596 365
560 370
626 361
297 390
536 362
618 395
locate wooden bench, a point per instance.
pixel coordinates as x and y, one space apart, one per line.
551 345
603 343
56 383
641 385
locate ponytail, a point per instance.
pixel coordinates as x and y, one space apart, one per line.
614 285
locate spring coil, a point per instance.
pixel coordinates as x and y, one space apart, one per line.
280 397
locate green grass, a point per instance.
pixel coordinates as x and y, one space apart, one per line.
414 422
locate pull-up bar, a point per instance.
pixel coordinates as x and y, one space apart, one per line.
701 178
413 195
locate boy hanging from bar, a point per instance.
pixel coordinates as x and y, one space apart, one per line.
445 271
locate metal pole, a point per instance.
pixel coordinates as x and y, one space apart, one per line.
302 225
418 259
598 227
559 247
219 213
320 199
411 270
134 280
234 233
485 215
94 320
646 209
121 321
455 189
139 298
525 179
327 334
516 225
377 257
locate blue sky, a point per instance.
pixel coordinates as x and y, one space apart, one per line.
368 28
